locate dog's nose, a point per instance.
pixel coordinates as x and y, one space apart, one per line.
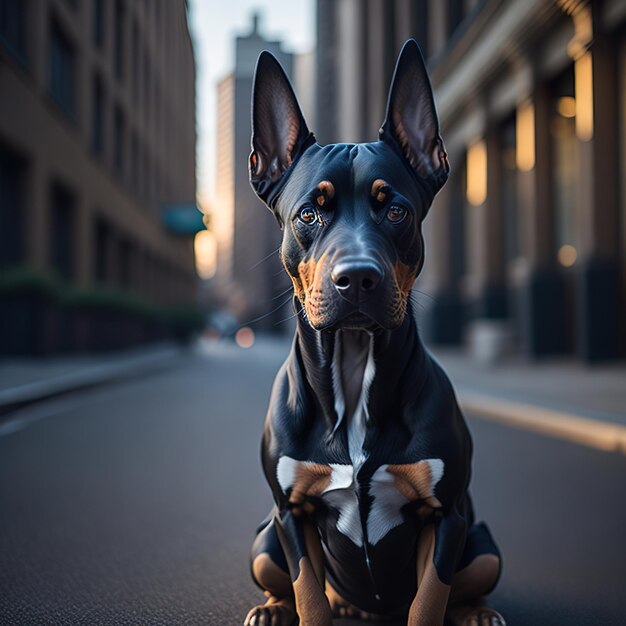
356 278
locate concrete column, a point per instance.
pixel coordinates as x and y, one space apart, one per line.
440 314
350 63
540 290
437 26
403 22
375 70
597 268
622 201
490 302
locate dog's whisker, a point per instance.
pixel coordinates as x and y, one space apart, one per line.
262 317
265 258
282 293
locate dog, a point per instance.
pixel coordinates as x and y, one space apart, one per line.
364 447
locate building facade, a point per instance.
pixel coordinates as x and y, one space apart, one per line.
97 136
527 241
248 237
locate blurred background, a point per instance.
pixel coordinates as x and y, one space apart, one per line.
143 307
120 119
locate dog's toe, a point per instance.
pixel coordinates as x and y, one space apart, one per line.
274 613
474 616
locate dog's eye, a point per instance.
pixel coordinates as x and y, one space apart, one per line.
308 215
396 214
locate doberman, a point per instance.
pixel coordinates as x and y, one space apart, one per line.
364 448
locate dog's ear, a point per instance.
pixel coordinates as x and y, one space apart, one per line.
411 123
279 132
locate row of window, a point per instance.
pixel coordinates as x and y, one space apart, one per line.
113 255
62 72
131 157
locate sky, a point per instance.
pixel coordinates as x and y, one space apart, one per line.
214 25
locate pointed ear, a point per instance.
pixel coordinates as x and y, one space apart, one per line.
411 122
279 132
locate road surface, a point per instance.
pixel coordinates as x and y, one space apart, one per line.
135 503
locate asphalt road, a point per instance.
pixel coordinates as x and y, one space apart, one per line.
136 503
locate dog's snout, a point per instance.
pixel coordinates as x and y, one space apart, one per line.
356 278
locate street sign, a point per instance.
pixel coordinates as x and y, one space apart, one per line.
183 219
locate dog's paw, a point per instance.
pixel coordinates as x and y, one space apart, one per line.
272 613
474 616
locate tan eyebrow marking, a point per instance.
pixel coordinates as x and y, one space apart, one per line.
379 190
326 192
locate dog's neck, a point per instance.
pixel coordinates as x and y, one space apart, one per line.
359 375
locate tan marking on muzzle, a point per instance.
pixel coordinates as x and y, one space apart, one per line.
309 279
414 482
405 276
326 192
379 190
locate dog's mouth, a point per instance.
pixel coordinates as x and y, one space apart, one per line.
357 321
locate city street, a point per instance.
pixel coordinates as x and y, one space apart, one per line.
136 502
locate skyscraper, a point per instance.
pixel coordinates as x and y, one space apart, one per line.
247 234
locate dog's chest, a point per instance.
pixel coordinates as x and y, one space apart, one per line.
368 505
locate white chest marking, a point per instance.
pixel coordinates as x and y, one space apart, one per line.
391 486
357 422
390 496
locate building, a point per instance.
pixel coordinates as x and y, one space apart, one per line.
526 243
247 234
97 137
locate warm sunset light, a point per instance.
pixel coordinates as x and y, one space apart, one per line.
525 136
584 97
477 173
205 252
567 255
566 106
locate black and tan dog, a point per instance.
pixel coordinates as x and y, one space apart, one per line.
365 449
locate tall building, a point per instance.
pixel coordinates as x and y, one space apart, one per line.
247 234
97 136
527 241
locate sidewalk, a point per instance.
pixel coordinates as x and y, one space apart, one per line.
558 397
26 380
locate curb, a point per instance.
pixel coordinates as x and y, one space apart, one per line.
593 433
89 376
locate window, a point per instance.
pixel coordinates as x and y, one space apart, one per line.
125 264
62 71
119 39
102 235
12 205
13 27
118 137
97 113
62 204
98 23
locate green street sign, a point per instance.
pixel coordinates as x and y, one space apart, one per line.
183 219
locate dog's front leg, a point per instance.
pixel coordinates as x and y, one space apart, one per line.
301 545
437 544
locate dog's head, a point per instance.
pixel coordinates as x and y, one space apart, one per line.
351 213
